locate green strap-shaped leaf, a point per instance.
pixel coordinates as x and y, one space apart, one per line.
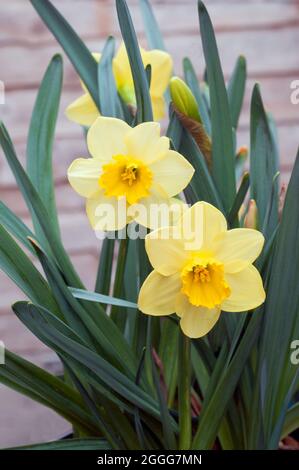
69 444
152 30
263 163
202 183
291 420
18 267
223 159
99 333
236 90
38 210
110 104
104 299
37 384
281 319
15 226
40 140
232 218
38 322
143 101
72 45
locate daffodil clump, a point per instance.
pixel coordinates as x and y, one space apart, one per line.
189 338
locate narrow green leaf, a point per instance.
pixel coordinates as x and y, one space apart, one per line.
143 101
239 199
209 422
37 384
291 422
99 333
77 52
201 183
15 226
110 105
280 321
69 444
31 316
236 90
18 267
104 273
40 140
152 30
169 437
104 299
263 163
223 159
38 209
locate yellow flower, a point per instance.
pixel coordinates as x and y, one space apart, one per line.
201 268
132 174
84 111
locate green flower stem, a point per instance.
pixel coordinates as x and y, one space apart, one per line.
184 389
119 317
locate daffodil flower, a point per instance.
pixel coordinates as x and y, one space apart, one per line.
132 173
84 111
201 268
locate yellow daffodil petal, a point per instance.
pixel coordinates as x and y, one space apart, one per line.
82 111
159 107
195 321
157 209
121 67
144 142
201 224
83 175
165 250
164 303
247 291
106 138
106 213
172 172
161 66
238 247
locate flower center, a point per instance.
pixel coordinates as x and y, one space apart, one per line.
126 176
203 282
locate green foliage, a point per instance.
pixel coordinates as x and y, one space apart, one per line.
130 380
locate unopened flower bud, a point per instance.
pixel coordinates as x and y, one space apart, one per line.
251 218
183 98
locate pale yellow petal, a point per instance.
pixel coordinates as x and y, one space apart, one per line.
195 321
247 291
106 138
172 172
83 175
201 224
240 244
161 67
83 111
144 142
97 58
121 67
165 250
157 210
157 294
106 213
159 107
